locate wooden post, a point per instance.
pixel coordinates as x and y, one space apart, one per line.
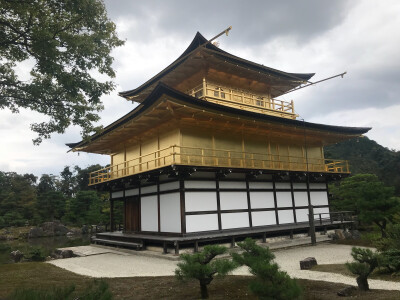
165 248
112 215
312 225
291 234
196 247
264 238
176 244
233 242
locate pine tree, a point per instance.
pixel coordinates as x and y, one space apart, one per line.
202 267
270 283
365 263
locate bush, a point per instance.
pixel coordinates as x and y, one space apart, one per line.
365 263
202 267
36 254
390 260
270 283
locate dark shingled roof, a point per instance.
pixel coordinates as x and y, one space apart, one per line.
162 89
200 40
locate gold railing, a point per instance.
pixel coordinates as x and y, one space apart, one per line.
243 100
177 155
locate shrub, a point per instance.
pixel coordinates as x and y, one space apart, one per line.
270 283
202 267
36 254
365 263
390 260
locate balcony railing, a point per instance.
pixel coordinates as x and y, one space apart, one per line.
178 155
242 99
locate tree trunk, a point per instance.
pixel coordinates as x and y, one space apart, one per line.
382 228
362 283
204 291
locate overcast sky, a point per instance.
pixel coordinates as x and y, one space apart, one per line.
325 37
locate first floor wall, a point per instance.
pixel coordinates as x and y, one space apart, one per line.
199 205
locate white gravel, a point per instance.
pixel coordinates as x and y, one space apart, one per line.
123 265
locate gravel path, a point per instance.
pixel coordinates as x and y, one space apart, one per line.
123 265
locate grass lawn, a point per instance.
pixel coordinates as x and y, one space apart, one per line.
342 269
42 276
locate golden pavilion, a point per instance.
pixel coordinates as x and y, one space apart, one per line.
210 152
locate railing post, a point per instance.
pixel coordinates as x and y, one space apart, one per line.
320 219
312 225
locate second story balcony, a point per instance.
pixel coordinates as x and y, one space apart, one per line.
242 99
191 156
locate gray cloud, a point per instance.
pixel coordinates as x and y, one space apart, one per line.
254 22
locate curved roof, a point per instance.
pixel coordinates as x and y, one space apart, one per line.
164 90
200 42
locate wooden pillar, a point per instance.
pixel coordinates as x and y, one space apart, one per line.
196 247
264 237
182 205
233 242
291 234
176 245
275 202
249 202
312 225
165 248
112 214
218 203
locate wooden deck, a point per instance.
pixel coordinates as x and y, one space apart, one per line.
140 240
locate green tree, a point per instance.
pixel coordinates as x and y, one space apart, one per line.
368 197
17 198
365 263
67 41
51 205
270 282
82 176
202 267
67 182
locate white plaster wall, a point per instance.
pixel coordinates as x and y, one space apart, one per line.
196 223
200 201
302 215
284 199
262 199
117 194
233 200
232 185
148 189
132 192
285 216
299 185
169 186
149 213
191 184
324 210
300 198
263 218
260 185
170 213
319 198
282 185
320 186
235 220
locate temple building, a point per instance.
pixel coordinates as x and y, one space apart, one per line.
210 151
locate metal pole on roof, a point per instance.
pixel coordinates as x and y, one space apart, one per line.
226 31
312 83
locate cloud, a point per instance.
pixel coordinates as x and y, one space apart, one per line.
361 37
